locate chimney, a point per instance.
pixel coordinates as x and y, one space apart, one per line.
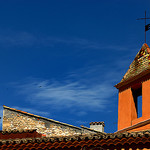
98 126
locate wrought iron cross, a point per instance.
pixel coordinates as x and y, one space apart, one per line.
145 23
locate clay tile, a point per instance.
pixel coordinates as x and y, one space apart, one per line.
18 141
61 138
126 134
147 133
24 140
52 140
3 142
9 131
15 130
58 139
112 136
45 139
133 134
101 136
11 141
140 134
21 130
108 136
30 140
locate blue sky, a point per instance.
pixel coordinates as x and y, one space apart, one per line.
61 59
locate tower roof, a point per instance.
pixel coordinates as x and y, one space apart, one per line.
139 67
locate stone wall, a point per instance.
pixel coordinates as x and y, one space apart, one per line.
15 120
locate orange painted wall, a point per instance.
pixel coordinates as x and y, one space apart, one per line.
145 104
146 99
127 115
126 109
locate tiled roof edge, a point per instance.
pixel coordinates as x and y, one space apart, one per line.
17 131
82 137
132 79
26 113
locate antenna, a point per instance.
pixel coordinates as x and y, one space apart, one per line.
145 23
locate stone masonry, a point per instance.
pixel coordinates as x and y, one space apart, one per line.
14 119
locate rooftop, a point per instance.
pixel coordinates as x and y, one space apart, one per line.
138 68
26 113
111 139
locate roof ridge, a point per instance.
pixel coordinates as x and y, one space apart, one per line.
23 112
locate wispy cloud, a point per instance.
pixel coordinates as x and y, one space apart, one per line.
81 122
67 94
86 89
19 39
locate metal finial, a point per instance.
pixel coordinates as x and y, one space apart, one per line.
145 23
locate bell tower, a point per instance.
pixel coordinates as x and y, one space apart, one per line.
134 94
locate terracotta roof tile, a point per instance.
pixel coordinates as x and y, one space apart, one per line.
14 134
68 139
79 141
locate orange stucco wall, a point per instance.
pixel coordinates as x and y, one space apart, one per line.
127 115
146 99
126 109
145 104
